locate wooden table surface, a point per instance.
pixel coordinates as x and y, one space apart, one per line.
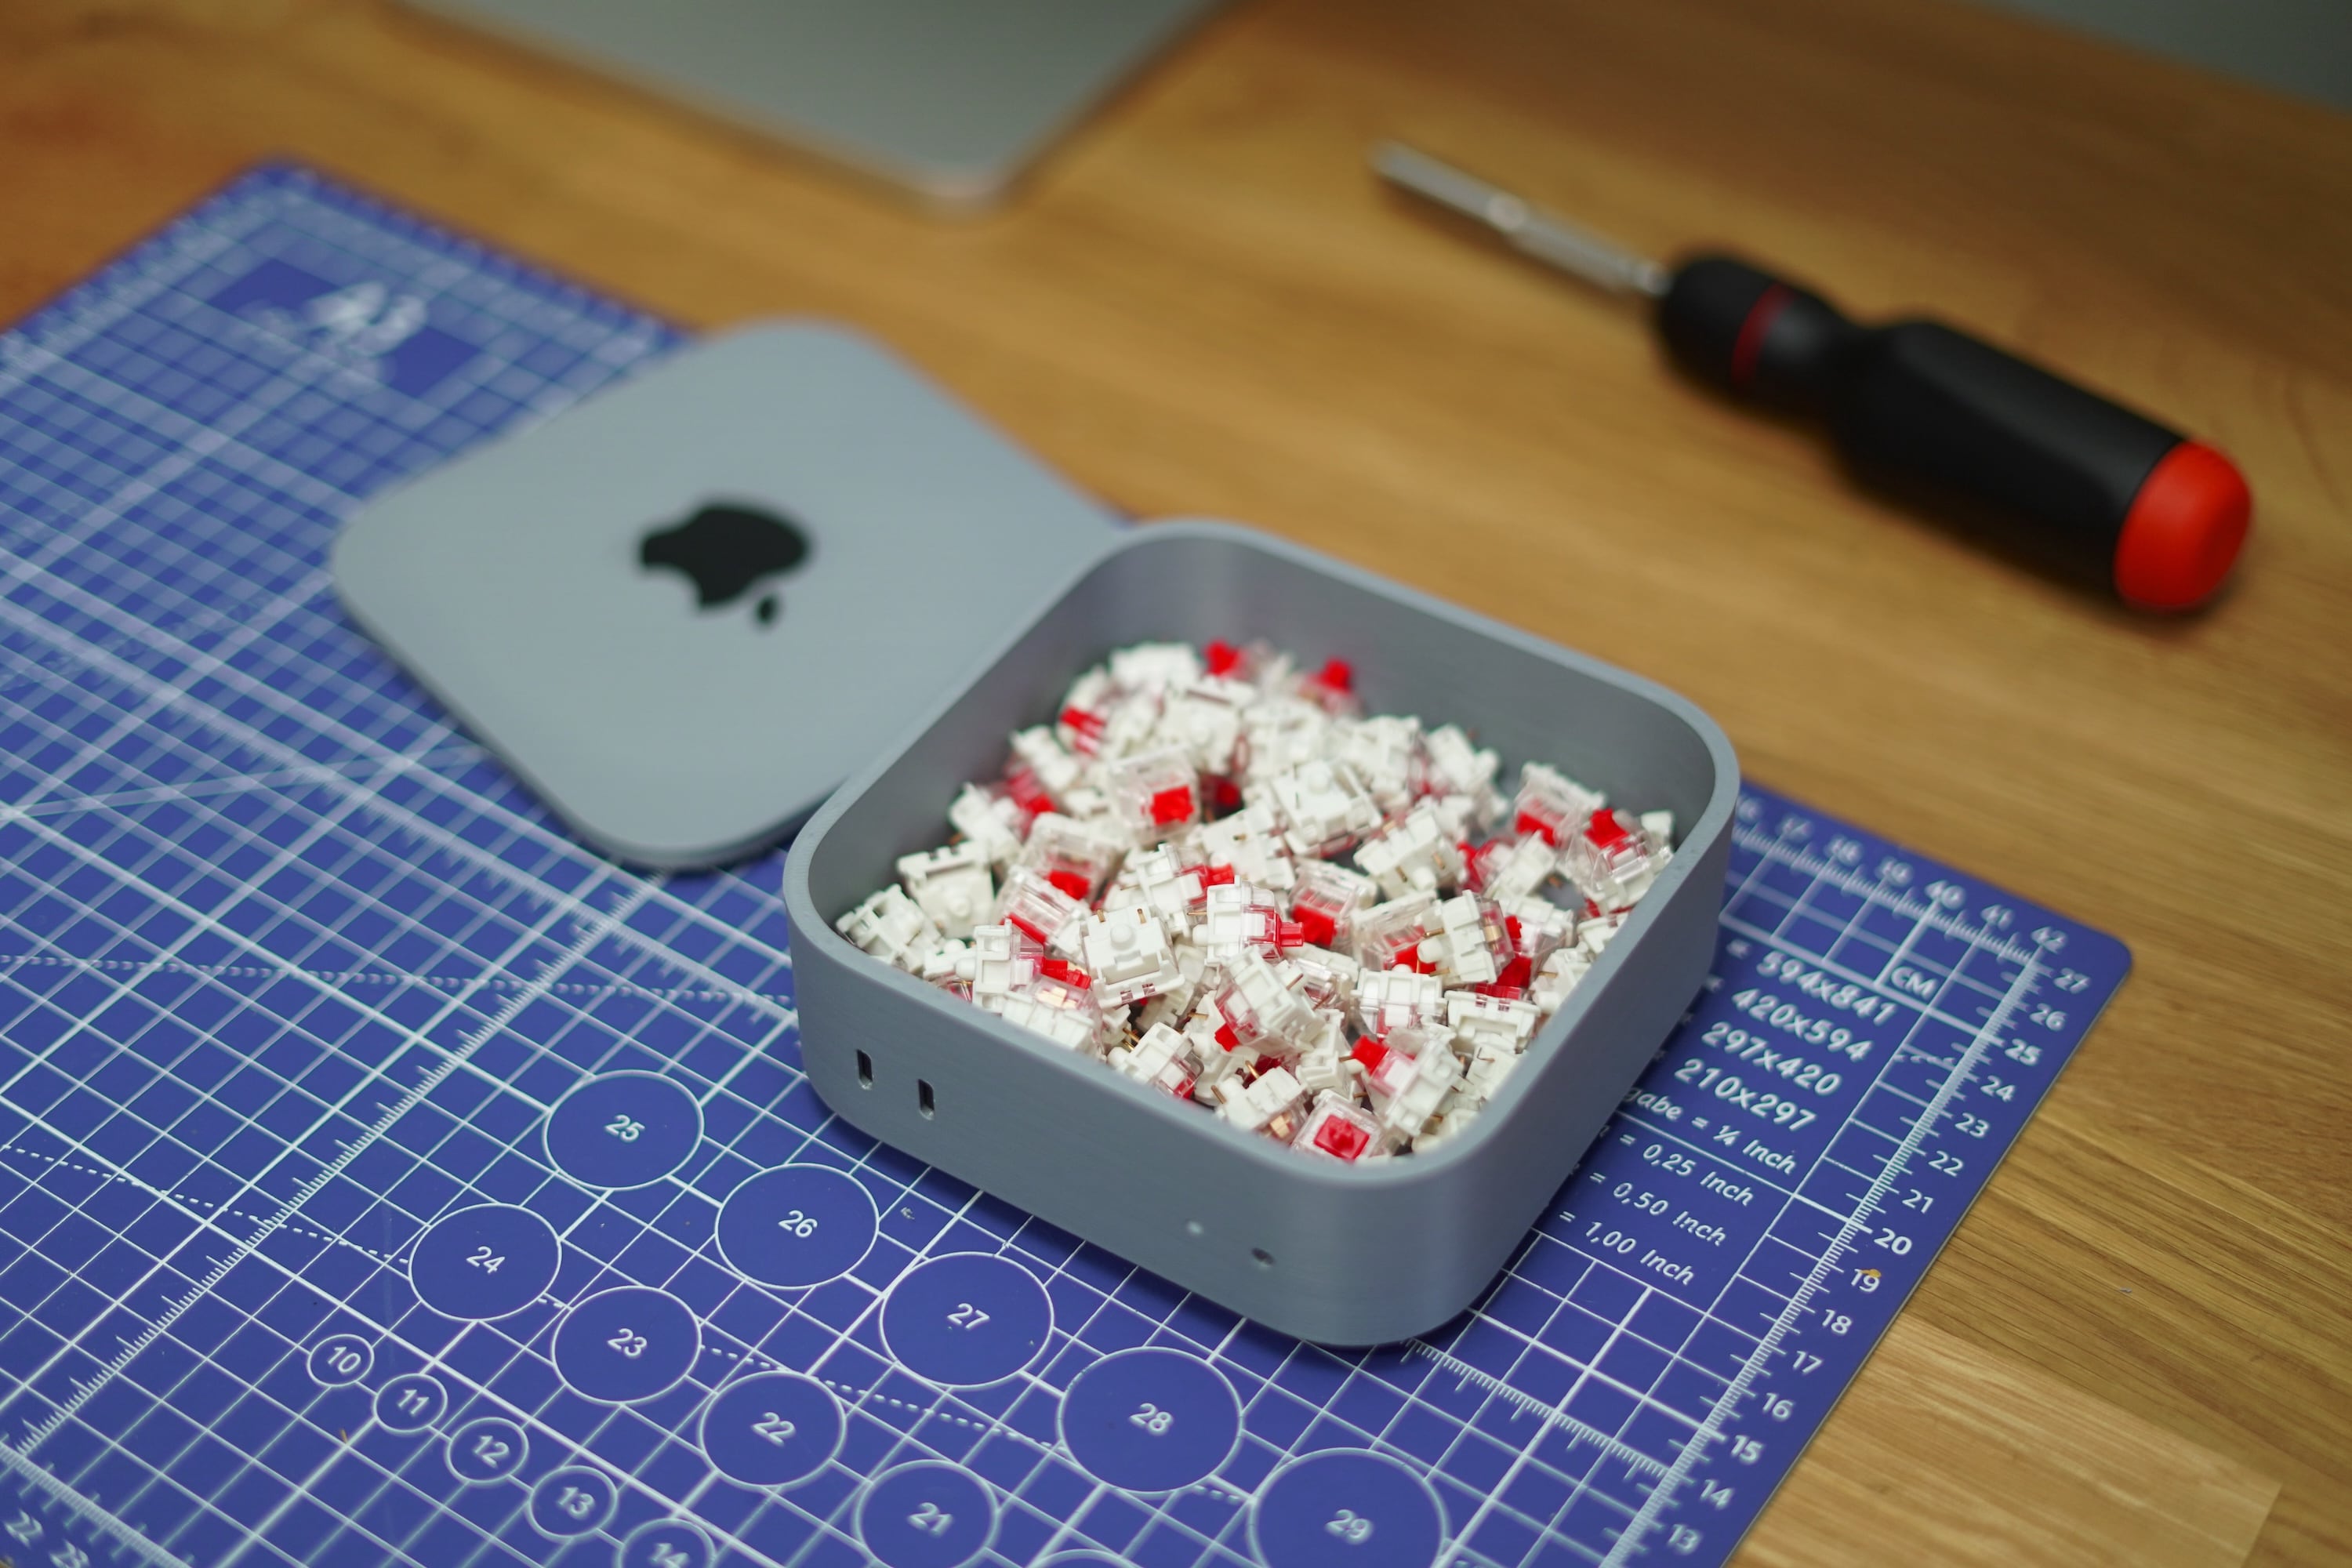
2139 1349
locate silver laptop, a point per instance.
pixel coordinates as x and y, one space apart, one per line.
950 100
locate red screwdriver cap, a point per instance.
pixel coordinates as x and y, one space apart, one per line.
2182 533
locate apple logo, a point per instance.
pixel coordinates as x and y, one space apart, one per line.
723 549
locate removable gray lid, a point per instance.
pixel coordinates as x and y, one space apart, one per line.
673 733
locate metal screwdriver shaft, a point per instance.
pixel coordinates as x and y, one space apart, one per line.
1545 236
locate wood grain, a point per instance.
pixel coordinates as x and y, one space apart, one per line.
1964 1454
2138 1348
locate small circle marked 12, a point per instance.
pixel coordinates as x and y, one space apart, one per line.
622 1130
485 1450
926 1515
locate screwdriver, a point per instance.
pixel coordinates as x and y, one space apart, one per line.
2097 492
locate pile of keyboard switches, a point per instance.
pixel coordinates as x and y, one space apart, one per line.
1212 873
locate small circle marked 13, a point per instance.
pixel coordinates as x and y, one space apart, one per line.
572 1501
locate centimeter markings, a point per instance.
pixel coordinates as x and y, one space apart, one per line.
1547 1414
53 1496
1935 913
1892 893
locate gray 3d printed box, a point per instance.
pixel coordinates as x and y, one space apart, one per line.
1339 1253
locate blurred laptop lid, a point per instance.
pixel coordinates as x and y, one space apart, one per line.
949 100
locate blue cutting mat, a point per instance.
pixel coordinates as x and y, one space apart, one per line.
383 1178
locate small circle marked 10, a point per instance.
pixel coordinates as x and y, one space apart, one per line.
667 1543
410 1403
1346 1507
966 1319
1150 1420
485 1450
572 1501
623 1345
926 1515
796 1224
488 1261
772 1429
340 1358
622 1130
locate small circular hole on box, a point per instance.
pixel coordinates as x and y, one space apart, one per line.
1194 1228
1264 1259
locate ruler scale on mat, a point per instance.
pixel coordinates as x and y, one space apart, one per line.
385 1179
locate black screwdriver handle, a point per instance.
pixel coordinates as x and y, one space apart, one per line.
2097 491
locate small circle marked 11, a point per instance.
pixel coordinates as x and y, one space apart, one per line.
1346 1507
622 1130
796 1224
572 1501
410 1403
772 1429
488 1261
966 1319
926 1515
1150 1420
